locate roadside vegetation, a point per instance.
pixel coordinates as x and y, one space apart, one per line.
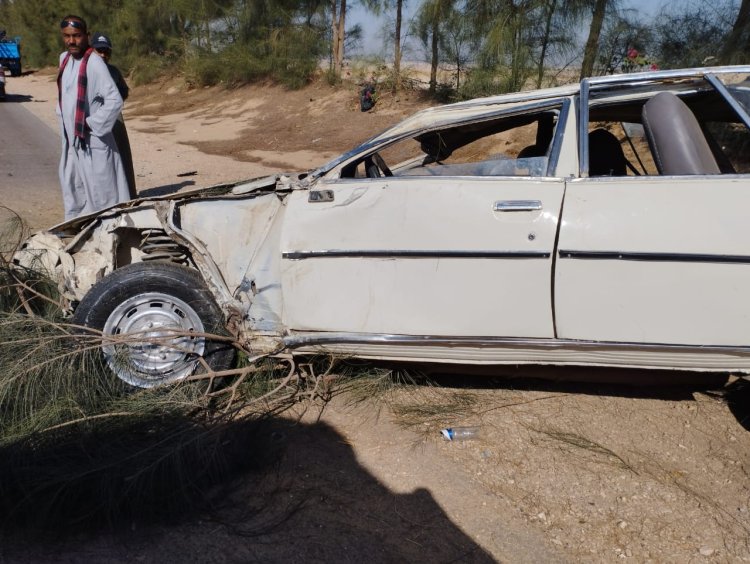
80 449
473 47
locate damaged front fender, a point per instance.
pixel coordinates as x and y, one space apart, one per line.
229 234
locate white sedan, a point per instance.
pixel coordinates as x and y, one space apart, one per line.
603 223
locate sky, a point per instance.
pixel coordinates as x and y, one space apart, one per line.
372 26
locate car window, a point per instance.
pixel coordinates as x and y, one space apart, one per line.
619 148
510 145
690 125
732 142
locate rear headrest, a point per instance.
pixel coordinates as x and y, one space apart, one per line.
675 137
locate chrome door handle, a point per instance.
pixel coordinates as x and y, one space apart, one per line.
517 205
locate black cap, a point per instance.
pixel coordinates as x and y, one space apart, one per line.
101 41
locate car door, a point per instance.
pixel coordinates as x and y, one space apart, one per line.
422 255
663 260
656 259
441 255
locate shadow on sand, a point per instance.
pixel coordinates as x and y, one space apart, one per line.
17 98
737 396
165 190
297 494
667 385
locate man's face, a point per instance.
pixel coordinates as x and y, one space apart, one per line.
104 53
75 38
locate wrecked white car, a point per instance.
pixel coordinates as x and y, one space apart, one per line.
604 224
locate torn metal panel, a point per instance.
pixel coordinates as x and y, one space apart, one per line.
278 182
230 231
262 279
166 212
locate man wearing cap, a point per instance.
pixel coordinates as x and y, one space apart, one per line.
92 175
103 47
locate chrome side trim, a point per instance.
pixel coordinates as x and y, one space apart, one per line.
583 129
439 254
654 178
326 338
654 257
640 77
557 140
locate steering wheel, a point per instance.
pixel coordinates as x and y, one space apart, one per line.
381 164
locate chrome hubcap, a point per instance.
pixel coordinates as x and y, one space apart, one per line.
152 339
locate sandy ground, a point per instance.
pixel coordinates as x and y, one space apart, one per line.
241 134
160 144
558 472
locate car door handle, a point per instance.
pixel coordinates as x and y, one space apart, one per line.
517 205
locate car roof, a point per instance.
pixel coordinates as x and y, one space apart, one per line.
655 80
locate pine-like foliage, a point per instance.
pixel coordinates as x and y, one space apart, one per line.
78 447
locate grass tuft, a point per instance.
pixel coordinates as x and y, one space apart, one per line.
80 449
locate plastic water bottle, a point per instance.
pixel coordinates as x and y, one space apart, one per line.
460 433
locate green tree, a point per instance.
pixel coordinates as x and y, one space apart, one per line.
211 40
622 33
737 45
378 7
338 35
559 18
509 30
429 26
592 43
692 37
458 43
35 21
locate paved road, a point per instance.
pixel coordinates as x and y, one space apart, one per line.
29 154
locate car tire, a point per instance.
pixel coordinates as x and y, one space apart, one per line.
154 299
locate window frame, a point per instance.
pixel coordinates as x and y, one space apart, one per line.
661 81
562 104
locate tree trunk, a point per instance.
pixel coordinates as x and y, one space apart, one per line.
342 35
434 61
338 30
734 43
397 48
551 7
335 64
592 44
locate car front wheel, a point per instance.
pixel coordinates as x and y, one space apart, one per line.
157 321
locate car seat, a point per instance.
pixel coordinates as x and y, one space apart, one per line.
606 157
675 137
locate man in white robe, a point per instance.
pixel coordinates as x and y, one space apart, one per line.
92 175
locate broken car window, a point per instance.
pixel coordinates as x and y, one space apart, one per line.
510 145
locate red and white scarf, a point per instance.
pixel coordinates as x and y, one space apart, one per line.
80 119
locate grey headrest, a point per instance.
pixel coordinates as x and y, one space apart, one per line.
675 137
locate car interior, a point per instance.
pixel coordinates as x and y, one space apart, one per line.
686 128
507 145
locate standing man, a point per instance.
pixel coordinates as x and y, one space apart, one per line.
92 176
103 47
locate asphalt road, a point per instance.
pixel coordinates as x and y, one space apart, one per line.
29 154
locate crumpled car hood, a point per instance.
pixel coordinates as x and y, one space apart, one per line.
280 181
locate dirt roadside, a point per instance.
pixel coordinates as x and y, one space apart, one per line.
579 472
